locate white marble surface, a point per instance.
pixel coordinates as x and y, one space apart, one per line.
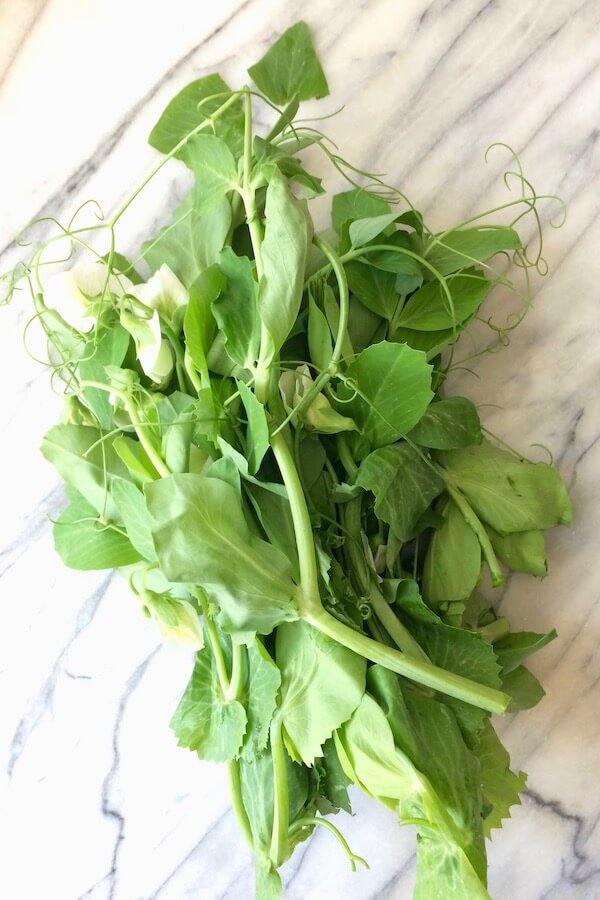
97 800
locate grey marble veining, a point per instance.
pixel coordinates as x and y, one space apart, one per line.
97 801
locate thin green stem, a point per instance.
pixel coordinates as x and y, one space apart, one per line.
281 811
344 299
482 536
237 802
308 821
346 458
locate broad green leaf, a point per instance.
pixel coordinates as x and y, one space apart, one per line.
454 250
524 689
374 288
513 649
319 336
199 325
448 425
205 721
214 168
132 508
321 686
508 493
193 240
501 787
257 430
430 309
284 252
273 513
363 231
84 543
290 68
430 342
264 680
202 537
521 551
192 106
236 309
404 485
89 471
453 561
444 872
107 348
394 390
356 204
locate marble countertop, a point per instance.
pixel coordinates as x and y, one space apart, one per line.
98 802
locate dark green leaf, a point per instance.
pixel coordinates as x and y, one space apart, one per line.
448 425
202 537
199 325
363 231
374 288
501 787
404 485
214 168
513 649
290 68
106 348
333 782
524 689
319 336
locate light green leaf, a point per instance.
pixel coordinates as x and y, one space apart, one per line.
84 543
205 721
404 486
319 336
132 508
356 204
501 787
513 649
193 240
363 231
91 472
264 680
444 872
453 561
214 168
106 348
454 250
257 431
290 68
284 252
135 458
202 537
430 342
199 325
429 309
236 309
508 493
394 390
448 425
521 551
190 107
321 686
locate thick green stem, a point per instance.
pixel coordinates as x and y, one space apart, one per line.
281 810
414 669
235 790
496 630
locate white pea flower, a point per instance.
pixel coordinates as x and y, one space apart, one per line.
177 619
153 351
163 292
74 293
320 415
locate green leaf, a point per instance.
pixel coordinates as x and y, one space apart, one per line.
83 543
135 458
448 425
513 649
190 107
274 514
394 390
264 680
454 250
453 561
374 288
284 252
236 309
106 348
176 416
430 342
524 689
319 336
333 782
508 493
363 231
321 686
501 787
202 537
356 204
290 68
199 325
429 309
193 240
214 168
444 872
521 551
89 471
132 508
205 721
404 486
257 431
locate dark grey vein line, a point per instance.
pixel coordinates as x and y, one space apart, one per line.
215 824
35 523
28 31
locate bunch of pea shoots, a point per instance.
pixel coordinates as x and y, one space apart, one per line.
256 432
